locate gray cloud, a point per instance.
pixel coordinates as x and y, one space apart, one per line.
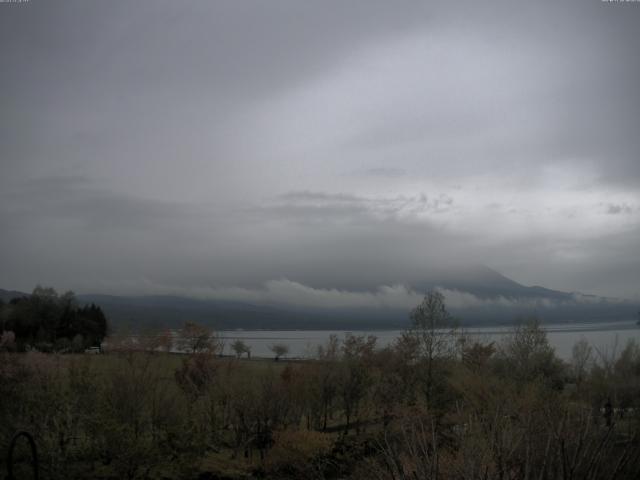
613 209
342 146
91 207
284 292
327 207
388 172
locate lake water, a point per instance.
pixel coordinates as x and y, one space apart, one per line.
605 337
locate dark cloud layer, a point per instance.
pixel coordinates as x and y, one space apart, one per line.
331 146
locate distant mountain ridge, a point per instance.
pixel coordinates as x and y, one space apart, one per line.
476 295
6 295
484 282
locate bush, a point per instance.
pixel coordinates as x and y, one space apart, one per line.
295 453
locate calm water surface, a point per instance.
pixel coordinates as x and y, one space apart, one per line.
606 337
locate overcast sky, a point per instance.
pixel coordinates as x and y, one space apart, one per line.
247 146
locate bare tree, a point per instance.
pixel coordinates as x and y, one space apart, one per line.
195 338
279 350
581 357
433 329
239 347
330 350
355 376
527 354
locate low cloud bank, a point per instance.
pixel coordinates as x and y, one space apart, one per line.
285 292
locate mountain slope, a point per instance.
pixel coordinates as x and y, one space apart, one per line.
6 295
474 294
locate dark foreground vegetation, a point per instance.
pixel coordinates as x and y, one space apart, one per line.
432 406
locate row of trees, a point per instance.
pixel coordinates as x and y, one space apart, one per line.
48 321
435 404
